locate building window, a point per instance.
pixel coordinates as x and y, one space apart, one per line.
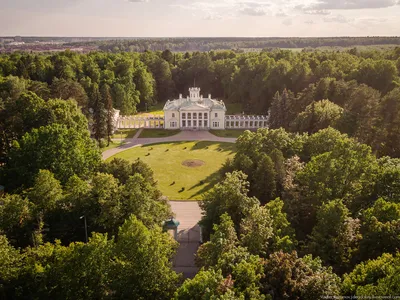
173 124
205 123
189 123
173 115
183 115
200 123
183 123
189 116
194 116
216 115
200 116
194 123
215 124
205 116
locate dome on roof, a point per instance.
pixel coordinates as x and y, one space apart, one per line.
171 223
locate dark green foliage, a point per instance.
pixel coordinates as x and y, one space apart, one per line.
62 150
287 276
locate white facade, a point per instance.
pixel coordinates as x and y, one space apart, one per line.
194 112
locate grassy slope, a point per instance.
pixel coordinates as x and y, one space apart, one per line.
166 161
124 133
112 145
153 110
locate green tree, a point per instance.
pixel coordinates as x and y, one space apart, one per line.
207 284
380 229
11 263
317 116
222 240
335 238
108 106
143 266
287 276
256 230
229 196
387 140
61 150
379 277
16 217
46 191
264 179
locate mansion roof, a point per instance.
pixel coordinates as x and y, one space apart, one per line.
195 101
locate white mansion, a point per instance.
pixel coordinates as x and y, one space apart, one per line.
194 112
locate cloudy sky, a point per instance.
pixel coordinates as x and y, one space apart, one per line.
159 18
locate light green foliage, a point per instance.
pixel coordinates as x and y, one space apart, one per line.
283 238
380 229
62 150
222 241
206 285
16 215
256 230
46 191
137 265
143 267
379 277
10 262
343 173
324 141
335 237
229 196
317 116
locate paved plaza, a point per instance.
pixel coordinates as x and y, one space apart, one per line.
188 213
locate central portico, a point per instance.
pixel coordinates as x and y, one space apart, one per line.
194 112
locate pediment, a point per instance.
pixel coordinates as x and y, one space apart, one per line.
195 107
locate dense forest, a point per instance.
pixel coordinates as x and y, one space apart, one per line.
307 209
208 44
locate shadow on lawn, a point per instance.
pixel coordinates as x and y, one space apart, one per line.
221 147
207 183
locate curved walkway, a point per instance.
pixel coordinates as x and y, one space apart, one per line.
180 137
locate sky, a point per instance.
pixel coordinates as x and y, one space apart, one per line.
199 18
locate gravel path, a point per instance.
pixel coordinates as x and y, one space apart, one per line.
180 137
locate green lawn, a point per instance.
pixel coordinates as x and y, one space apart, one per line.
228 133
166 161
124 133
153 110
156 133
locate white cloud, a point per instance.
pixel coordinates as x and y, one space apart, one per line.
322 12
337 19
352 4
281 14
287 22
253 11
